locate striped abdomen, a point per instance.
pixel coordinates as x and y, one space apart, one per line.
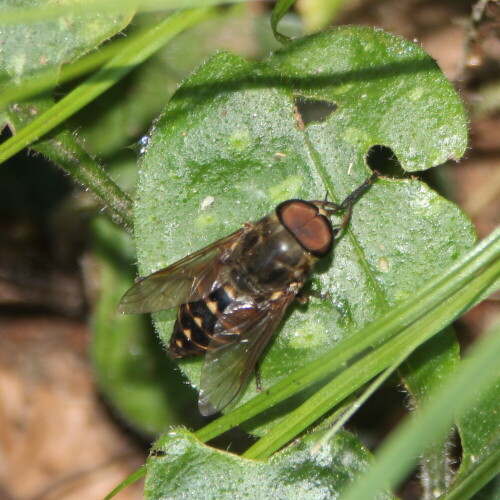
196 321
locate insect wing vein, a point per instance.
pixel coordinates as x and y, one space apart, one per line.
231 356
187 280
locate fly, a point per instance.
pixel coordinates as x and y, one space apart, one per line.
232 294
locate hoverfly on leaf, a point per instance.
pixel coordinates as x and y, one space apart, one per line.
233 293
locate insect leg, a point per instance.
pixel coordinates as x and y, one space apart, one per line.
303 296
258 381
338 228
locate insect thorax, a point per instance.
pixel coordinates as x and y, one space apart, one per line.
268 259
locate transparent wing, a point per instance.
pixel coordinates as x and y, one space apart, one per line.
193 278
240 336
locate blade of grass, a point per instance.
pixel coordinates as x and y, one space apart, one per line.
280 9
135 476
120 65
425 300
371 364
356 405
479 370
56 11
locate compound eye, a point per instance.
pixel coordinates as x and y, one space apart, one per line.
311 229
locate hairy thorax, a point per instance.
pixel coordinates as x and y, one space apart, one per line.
268 259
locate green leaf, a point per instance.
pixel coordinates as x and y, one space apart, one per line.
388 91
31 50
230 133
180 466
63 149
36 52
12 93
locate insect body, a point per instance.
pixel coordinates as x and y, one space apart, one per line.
233 293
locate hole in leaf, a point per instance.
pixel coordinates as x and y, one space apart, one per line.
314 110
383 160
455 451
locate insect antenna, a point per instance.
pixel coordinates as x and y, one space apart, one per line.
359 190
331 208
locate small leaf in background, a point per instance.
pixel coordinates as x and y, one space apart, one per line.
33 49
231 134
180 466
